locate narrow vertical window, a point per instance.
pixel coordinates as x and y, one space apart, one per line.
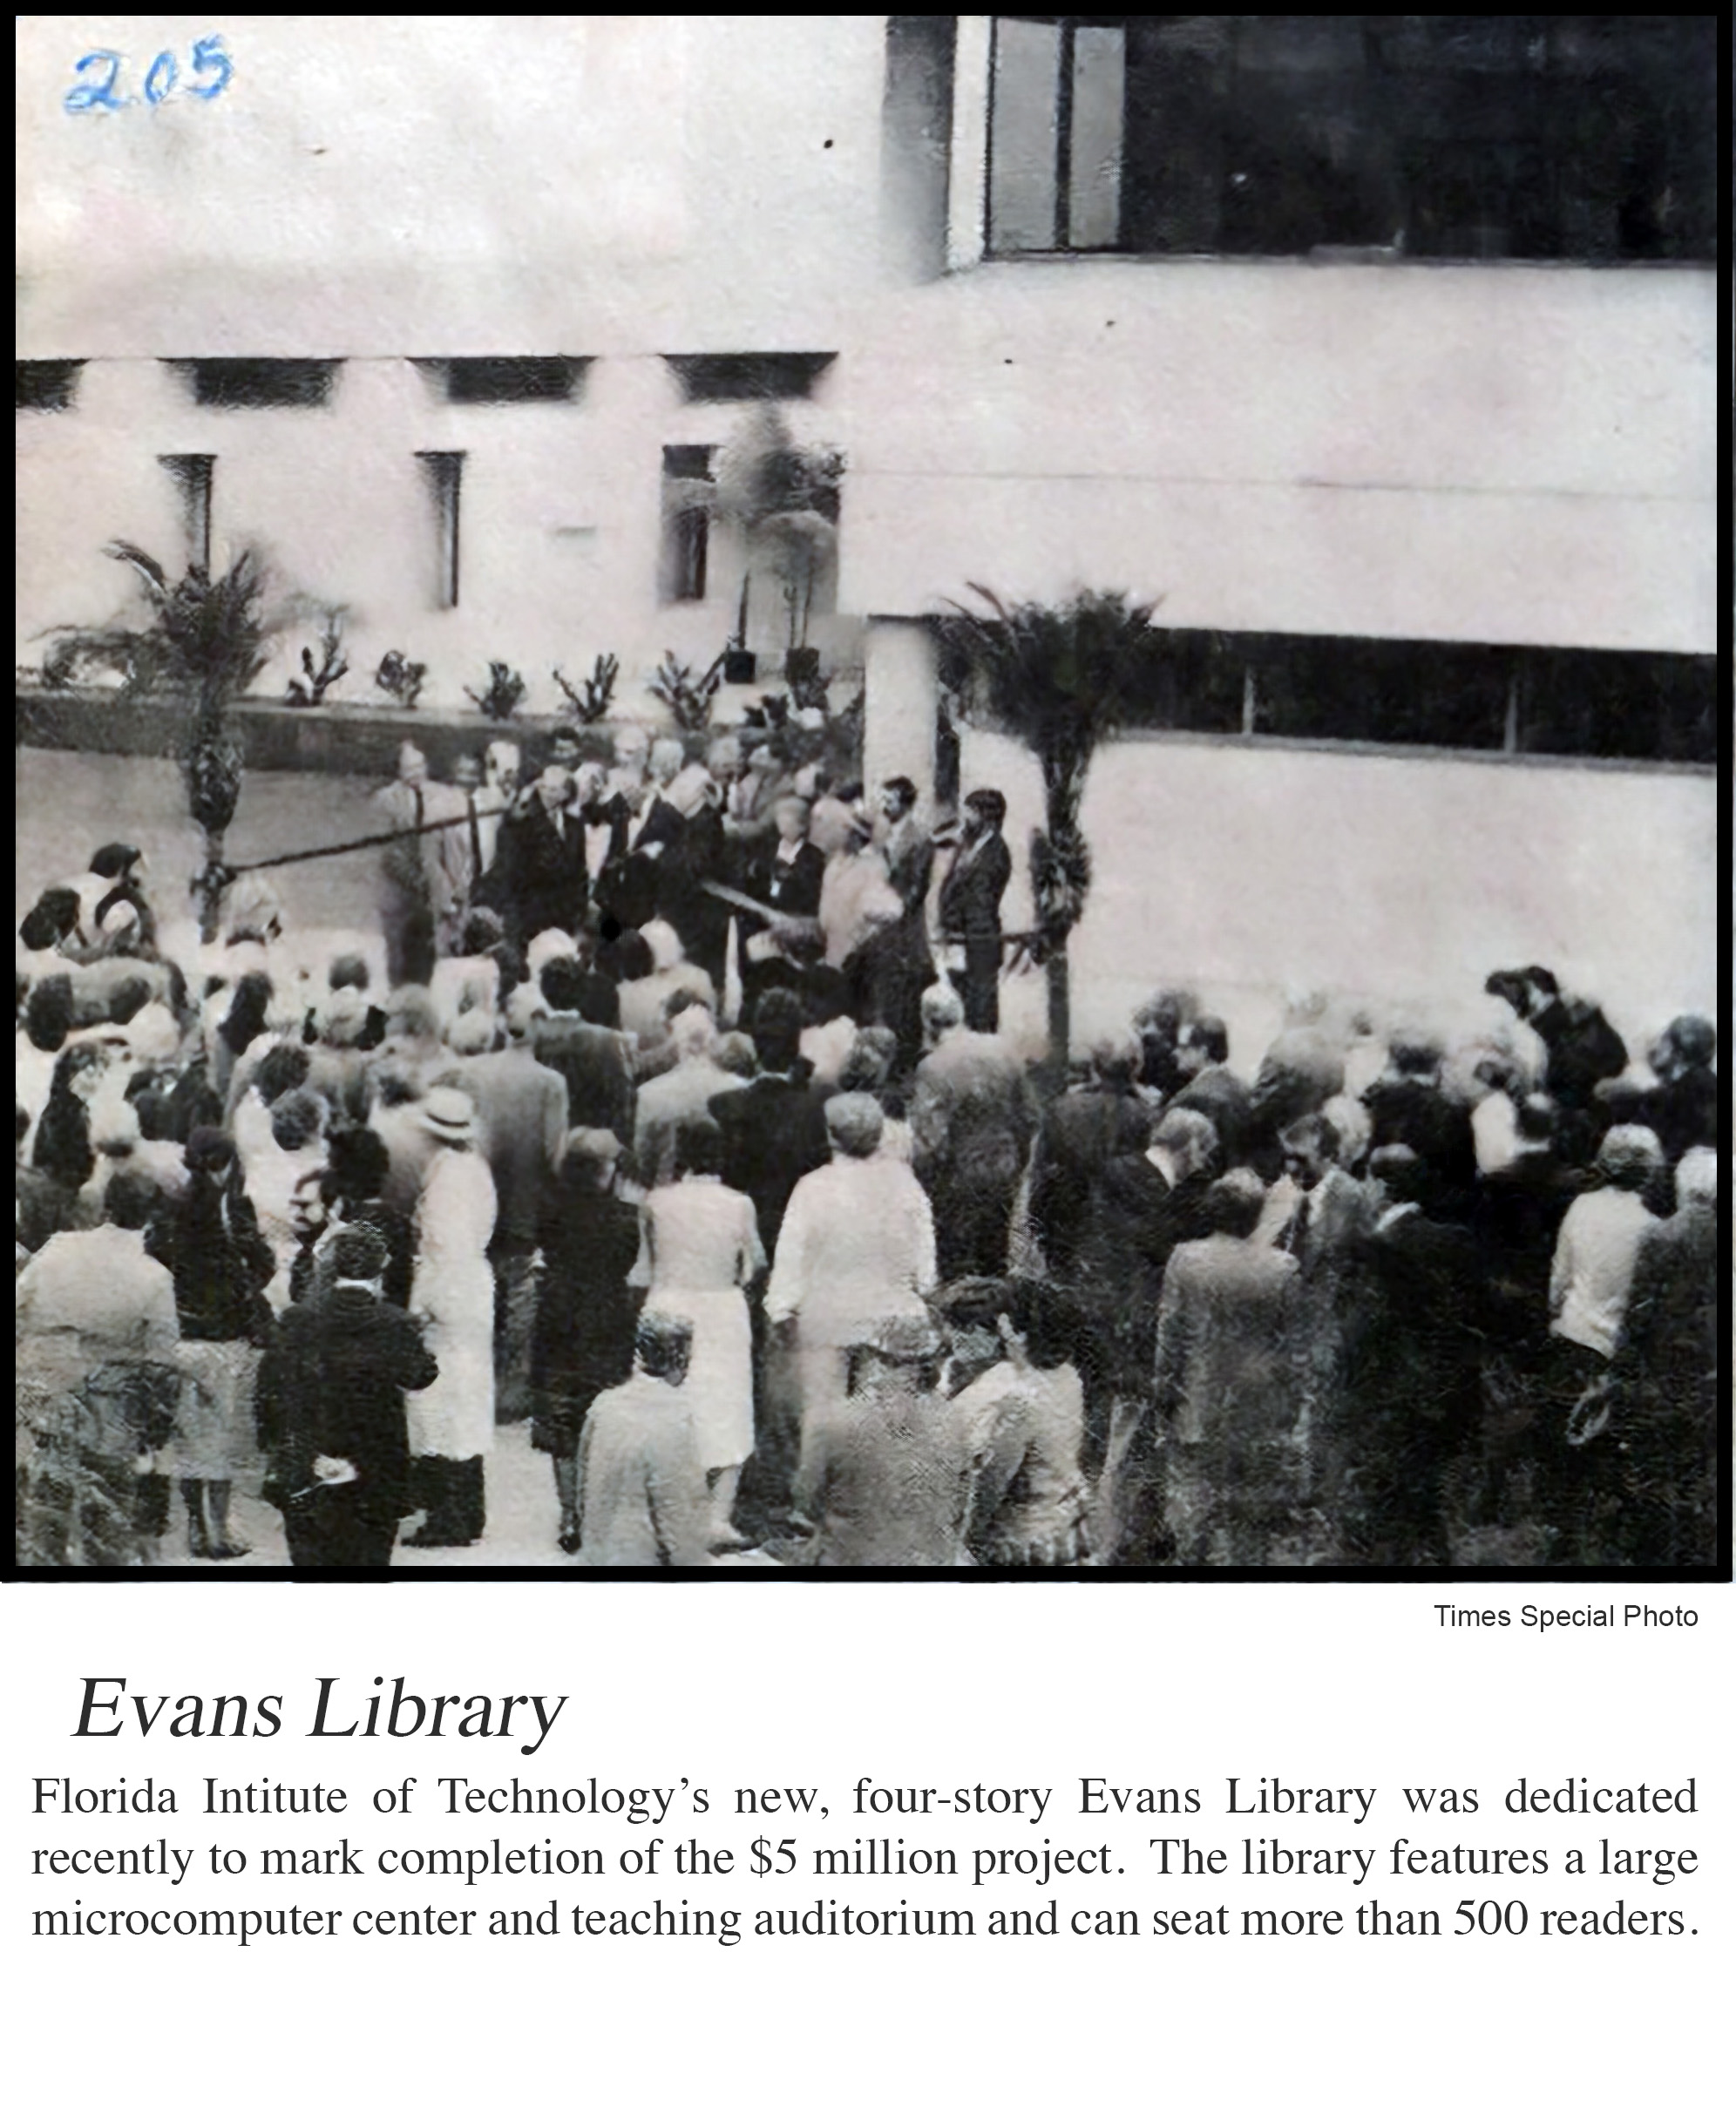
1094 138
1024 132
192 473
443 472
686 521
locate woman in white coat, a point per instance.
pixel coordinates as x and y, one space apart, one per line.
452 1422
701 1250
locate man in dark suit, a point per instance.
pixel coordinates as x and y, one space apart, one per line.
970 908
1081 1131
629 889
1408 1106
774 1129
543 880
1207 1084
330 1405
595 1062
1582 1050
1684 1108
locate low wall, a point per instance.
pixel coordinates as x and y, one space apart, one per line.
274 737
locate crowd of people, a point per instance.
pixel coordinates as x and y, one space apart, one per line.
681 1125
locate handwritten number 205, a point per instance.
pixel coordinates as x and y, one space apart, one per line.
212 70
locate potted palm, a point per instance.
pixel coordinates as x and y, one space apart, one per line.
1060 679
204 642
784 497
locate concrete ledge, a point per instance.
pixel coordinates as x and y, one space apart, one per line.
274 737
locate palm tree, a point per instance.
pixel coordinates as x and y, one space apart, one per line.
205 644
1061 678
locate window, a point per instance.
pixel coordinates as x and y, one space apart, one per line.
192 473
48 382
260 383
686 521
753 375
509 380
442 472
1590 138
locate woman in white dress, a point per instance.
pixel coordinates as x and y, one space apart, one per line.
452 1422
701 1250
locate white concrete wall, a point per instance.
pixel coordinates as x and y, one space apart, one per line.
1396 881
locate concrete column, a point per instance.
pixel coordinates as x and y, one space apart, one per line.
902 696
967 202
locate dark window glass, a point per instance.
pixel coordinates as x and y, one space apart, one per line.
1364 690
504 379
192 473
1614 704
1591 138
1195 682
443 473
263 383
755 376
686 521
48 382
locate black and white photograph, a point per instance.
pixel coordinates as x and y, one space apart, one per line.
887 794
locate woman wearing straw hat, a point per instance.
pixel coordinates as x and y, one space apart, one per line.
452 1422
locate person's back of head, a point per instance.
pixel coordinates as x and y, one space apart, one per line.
130 1200
1049 1323
627 958
825 996
1415 1055
394 1088
562 983
1207 1037
734 1053
284 1067
1188 1138
1402 1173
358 1165
943 1012
663 1346
854 1125
1535 1119
1694 1040
410 1012
297 1118
699 1147
359 1258
113 861
347 973
868 1065
1116 1059
54 916
1235 1202
1697 1178
1629 1157
48 1016
469 1034
526 1006
131 997
599 999
777 1029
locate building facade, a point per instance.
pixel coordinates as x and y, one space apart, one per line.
1377 351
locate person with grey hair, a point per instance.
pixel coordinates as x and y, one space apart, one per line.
885 1481
855 1248
1081 1131
414 887
1597 1254
1666 1432
1215 1461
642 1482
971 1118
675 1100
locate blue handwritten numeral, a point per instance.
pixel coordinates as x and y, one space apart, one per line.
97 93
160 82
213 69
208 56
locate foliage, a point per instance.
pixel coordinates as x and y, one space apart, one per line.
500 698
1061 678
204 635
400 678
784 496
67 1511
317 680
590 701
687 699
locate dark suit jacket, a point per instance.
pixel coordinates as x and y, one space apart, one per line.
970 895
597 1065
629 889
790 887
1228 1101
1082 1132
332 1382
773 1133
543 880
